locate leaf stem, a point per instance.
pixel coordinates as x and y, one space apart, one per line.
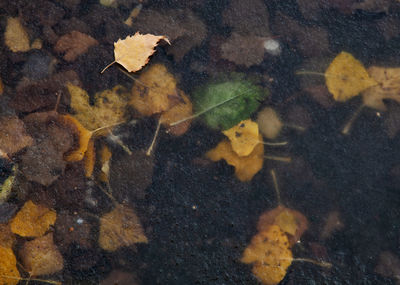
273 143
346 129
276 187
319 263
108 66
148 153
279 158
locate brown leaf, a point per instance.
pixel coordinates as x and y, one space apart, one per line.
13 136
7 237
41 256
74 44
120 227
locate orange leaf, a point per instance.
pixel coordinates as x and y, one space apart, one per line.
133 52
90 159
32 220
245 166
8 267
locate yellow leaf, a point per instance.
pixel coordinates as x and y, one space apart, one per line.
244 137
16 37
180 111
154 90
90 159
245 166
120 227
108 109
269 252
388 87
8 267
32 220
133 52
346 77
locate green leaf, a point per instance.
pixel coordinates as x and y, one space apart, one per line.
234 101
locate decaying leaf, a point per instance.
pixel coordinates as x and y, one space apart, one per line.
388 265
90 159
108 109
134 51
6 187
388 87
244 137
181 110
269 123
1 87
346 77
7 237
13 136
120 227
292 222
8 267
74 44
84 137
33 220
269 252
41 256
15 36
153 92
245 166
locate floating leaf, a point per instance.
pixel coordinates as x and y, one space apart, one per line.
134 51
41 256
154 90
269 252
346 77
290 221
244 137
245 166
15 36
32 220
388 87
8 267
226 104
120 227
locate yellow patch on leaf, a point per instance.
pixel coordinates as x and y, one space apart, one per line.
244 137
154 91
290 221
8 267
180 111
388 87
33 220
269 252
84 136
346 77
90 159
245 166
120 227
134 51
15 36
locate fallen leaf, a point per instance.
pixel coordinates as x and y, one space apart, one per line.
269 252
7 237
269 123
373 6
74 44
134 51
90 159
388 87
346 77
84 137
7 185
15 36
332 223
105 155
33 220
13 135
153 91
41 256
120 227
244 137
1 87
8 267
227 103
181 110
292 222
388 265
245 166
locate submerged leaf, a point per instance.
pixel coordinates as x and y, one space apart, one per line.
245 166
244 137
8 267
346 77
32 220
13 136
269 252
120 227
226 104
269 123
15 36
133 52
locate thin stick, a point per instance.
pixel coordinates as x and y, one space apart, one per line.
133 78
204 111
57 102
106 127
278 193
120 143
319 263
346 129
295 127
31 279
273 143
148 153
108 66
278 158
